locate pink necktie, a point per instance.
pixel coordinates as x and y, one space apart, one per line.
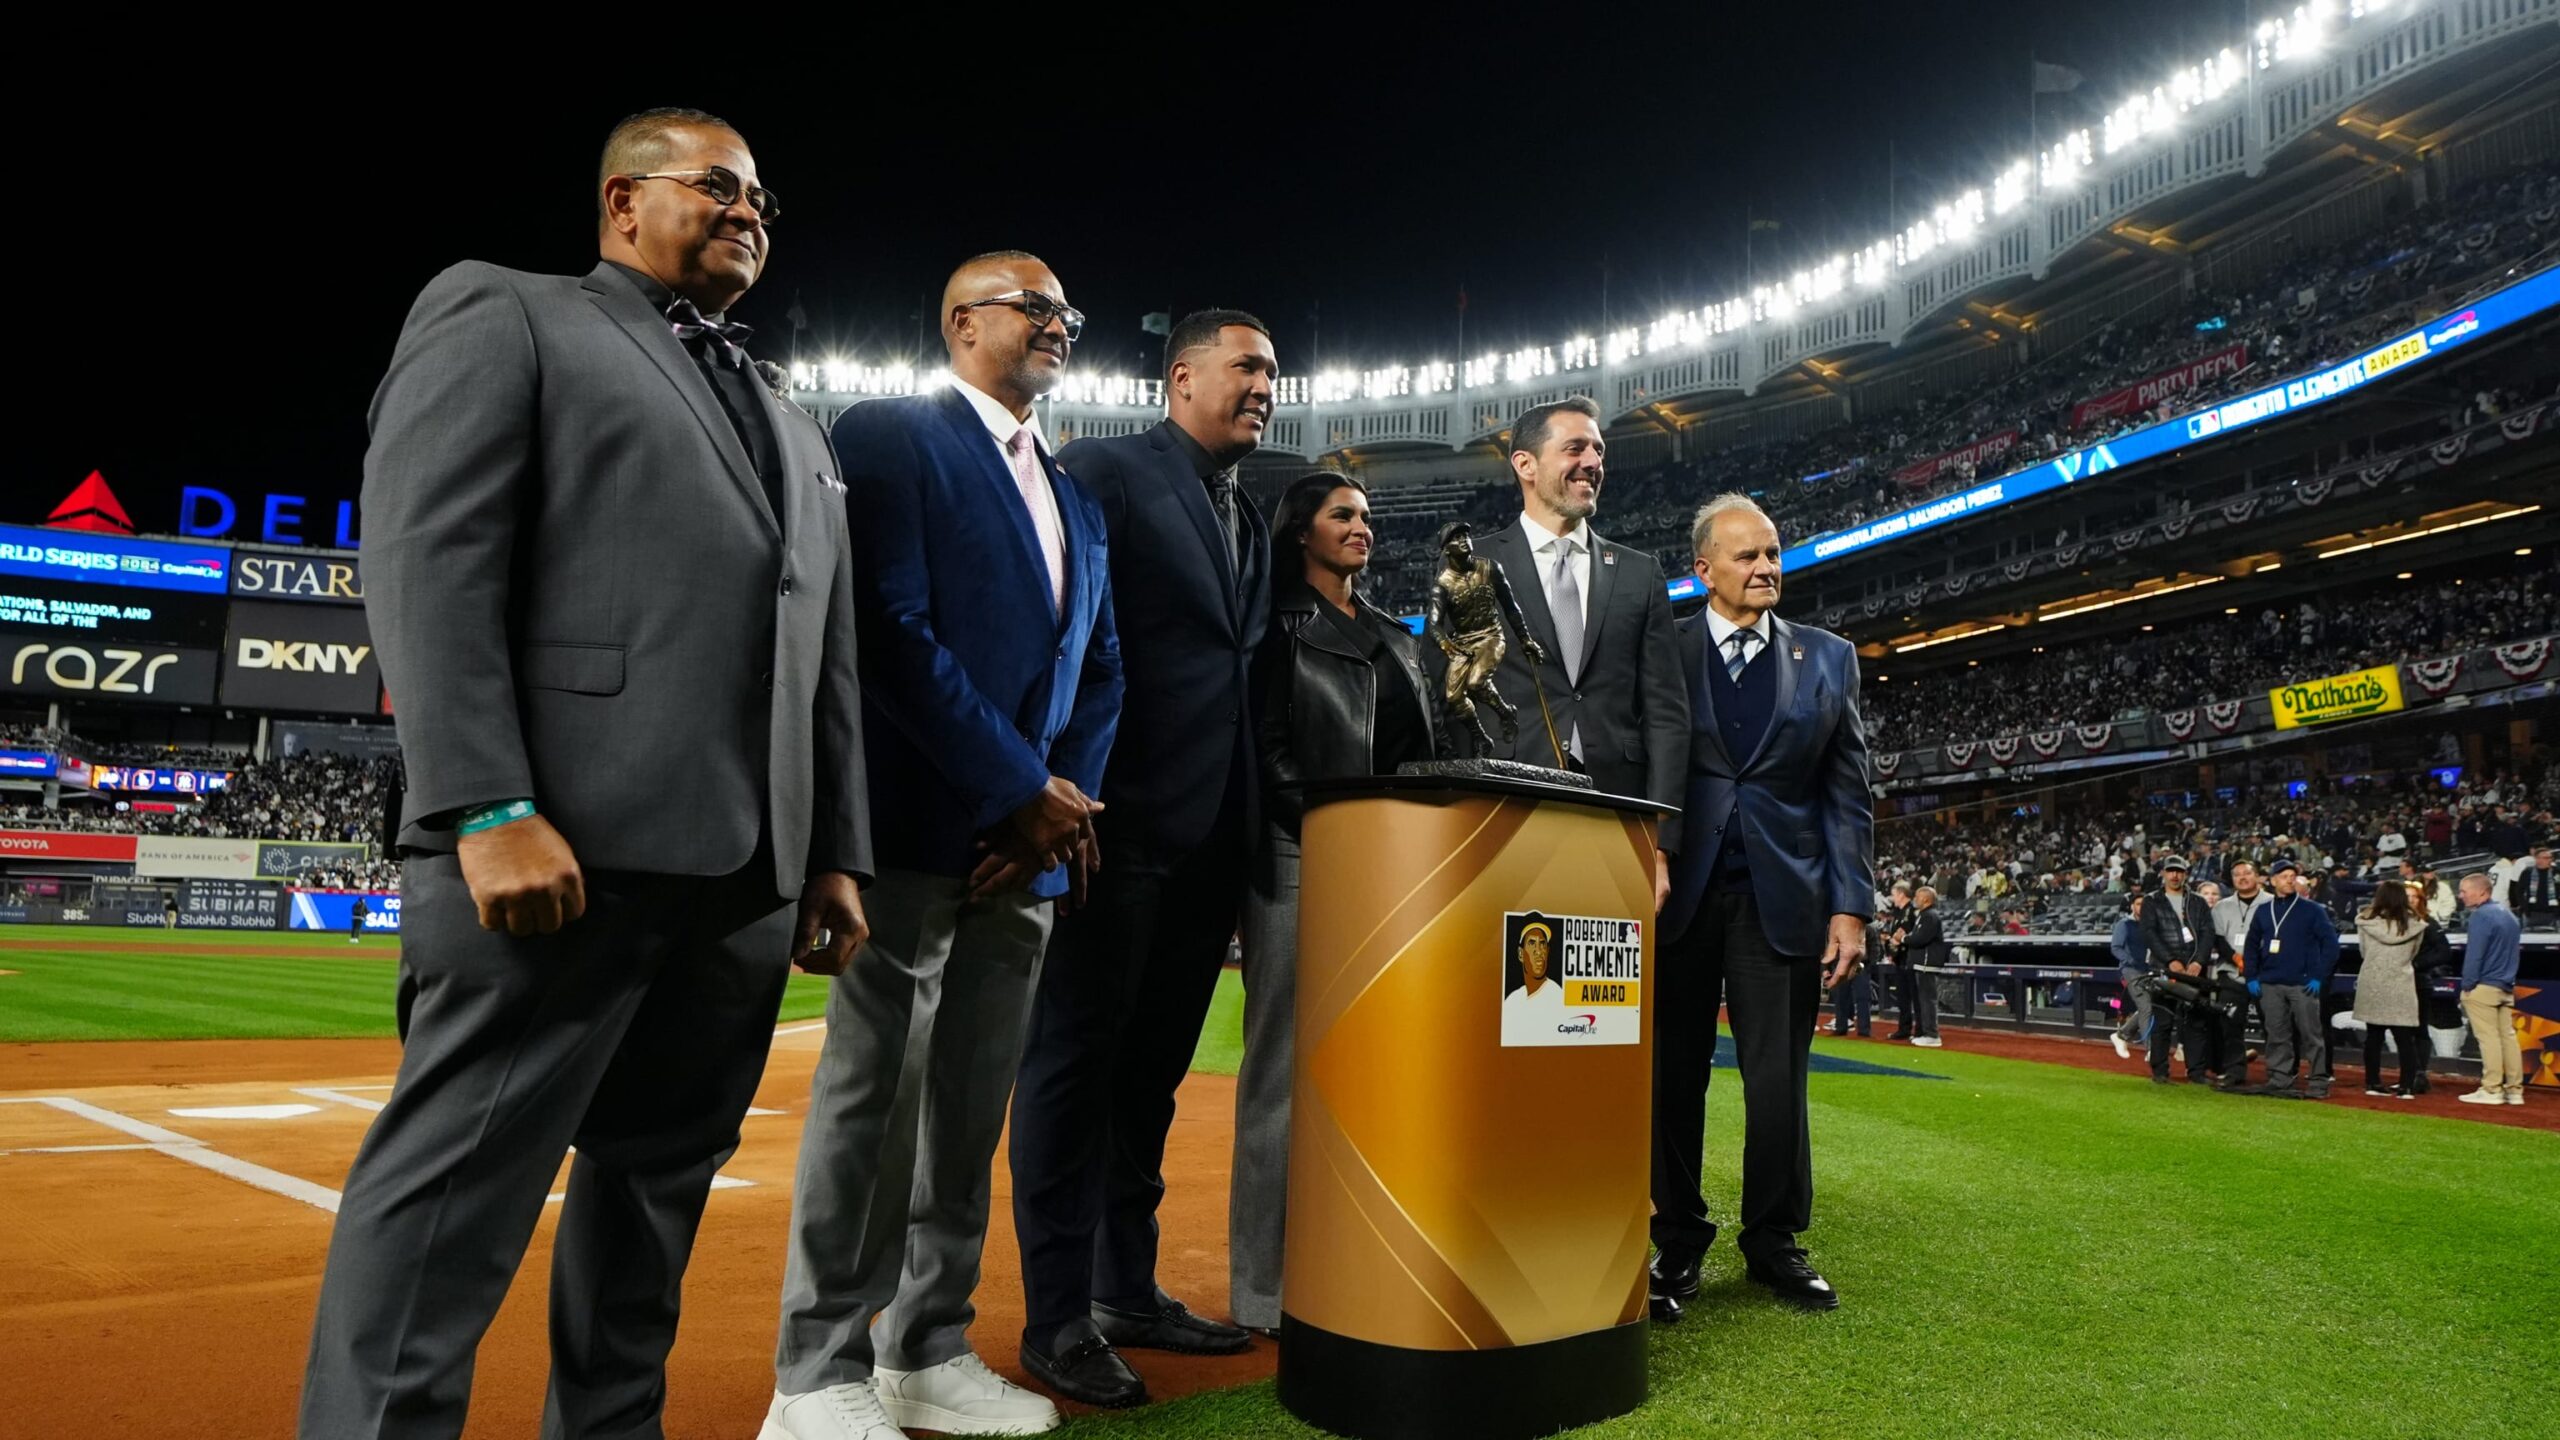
1044 515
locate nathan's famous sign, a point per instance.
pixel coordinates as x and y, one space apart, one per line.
2338 697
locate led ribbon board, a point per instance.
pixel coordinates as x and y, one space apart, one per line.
2523 300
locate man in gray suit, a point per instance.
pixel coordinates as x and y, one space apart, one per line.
609 580
1610 684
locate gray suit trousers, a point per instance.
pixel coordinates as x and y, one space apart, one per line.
889 1212
638 1034
1258 1193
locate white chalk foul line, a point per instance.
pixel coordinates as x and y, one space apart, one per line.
73 1149
799 1029
339 1097
196 1152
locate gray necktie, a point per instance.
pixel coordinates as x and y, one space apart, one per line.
1564 602
1740 640
1222 498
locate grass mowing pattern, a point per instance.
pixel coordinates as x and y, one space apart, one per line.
185 988
2040 1251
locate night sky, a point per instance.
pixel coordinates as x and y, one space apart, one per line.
240 254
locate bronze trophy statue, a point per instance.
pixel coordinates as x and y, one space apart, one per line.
1470 599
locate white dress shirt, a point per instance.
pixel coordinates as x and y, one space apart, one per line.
1543 543
1001 424
1720 631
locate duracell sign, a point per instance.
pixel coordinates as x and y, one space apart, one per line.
288 575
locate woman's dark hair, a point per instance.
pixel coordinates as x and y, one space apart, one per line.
1294 516
2391 905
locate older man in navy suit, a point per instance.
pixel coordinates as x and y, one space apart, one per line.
992 692
1772 885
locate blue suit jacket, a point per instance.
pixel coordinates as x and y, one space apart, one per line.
974 690
1808 821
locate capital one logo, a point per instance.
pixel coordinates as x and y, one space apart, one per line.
305 656
72 667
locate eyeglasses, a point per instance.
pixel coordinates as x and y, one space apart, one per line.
723 186
1037 308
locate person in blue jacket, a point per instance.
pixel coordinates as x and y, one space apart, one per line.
2291 951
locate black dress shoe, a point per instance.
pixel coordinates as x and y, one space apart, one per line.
1088 1371
1664 1309
1673 1276
1168 1326
1787 1276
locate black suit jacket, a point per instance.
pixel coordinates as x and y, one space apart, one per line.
1633 702
1928 944
1188 628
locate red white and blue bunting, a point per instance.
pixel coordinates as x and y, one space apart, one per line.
2436 676
2525 658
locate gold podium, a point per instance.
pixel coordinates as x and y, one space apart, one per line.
1470 1149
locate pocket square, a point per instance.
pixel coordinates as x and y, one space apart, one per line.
831 482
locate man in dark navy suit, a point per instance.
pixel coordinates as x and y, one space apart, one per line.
1772 885
991 692
1129 978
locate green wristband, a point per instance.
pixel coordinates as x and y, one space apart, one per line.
490 817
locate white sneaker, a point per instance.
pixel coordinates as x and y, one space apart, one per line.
2482 1097
2123 1051
1927 1042
961 1396
2515 1097
839 1412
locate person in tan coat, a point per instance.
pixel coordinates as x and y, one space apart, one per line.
2388 934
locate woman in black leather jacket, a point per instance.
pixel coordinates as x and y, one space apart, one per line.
1339 690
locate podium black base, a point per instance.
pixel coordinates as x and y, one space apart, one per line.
1368 1391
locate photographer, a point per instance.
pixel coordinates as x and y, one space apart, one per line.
2178 939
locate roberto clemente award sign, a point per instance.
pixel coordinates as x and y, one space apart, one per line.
1571 979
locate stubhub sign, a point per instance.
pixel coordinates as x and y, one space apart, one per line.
280 519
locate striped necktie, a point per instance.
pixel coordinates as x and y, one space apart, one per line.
1739 642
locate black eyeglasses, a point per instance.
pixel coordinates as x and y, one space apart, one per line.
723 186
1037 308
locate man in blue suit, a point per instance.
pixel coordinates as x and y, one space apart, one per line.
1123 998
1772 885
992 689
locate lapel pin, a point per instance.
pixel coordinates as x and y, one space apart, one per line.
1795 652
1608 557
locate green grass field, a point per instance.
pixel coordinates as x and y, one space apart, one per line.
308 987
2026 1250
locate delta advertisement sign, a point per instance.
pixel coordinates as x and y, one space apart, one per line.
2522 301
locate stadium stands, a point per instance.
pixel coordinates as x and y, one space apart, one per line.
2314 308
2119 676
312 797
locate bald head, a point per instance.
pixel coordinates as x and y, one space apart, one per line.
995 347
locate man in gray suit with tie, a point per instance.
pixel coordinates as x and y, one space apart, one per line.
1610 684
608 576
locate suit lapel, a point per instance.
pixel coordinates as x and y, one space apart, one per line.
1511 552
1192 495
1782 651
1604 579
649 330
1702 687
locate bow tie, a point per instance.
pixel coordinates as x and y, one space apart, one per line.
725 336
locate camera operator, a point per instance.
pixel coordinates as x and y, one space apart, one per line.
2178 939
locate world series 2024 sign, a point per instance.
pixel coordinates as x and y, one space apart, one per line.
1571 979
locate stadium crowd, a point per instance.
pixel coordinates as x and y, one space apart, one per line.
2032 872
2317 308
312 797
2221 657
